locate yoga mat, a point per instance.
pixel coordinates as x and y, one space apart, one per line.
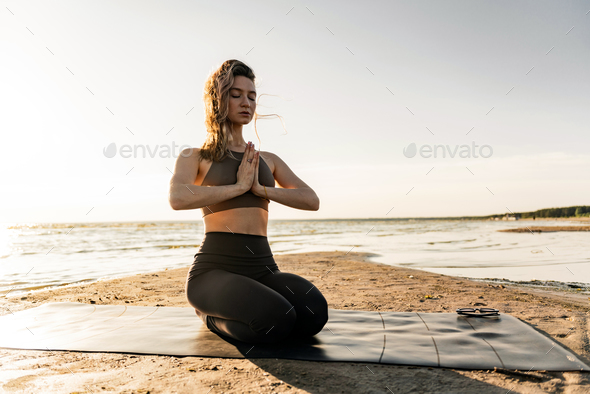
409 338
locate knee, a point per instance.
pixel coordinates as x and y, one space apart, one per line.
274 327
319 318
314 320
191 296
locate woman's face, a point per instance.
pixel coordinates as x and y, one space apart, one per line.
242 99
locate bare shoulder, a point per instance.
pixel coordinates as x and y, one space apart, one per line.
187 166
193 153
271 159
192 157
284 176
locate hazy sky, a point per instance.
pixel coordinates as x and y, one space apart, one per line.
356 82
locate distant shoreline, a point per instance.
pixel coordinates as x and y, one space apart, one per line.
471 218
545 229
199 221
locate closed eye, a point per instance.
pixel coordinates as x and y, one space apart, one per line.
253 99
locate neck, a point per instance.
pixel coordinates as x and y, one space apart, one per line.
237 138
237 148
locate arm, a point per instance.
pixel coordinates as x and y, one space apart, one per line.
184 194
292 191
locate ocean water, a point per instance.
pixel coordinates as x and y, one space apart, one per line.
36 255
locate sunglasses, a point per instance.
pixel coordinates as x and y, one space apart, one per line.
478 311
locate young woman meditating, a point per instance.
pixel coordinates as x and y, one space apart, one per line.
234 283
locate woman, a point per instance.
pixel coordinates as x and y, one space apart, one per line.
234 283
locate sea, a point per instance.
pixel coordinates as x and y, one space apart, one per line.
43 255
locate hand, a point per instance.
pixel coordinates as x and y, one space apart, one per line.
247 170
257 188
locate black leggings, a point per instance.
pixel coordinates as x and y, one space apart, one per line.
249 299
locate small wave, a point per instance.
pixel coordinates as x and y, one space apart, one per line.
481 246
452 242
26 253
31 287
307 232
83 251
136 248
495 264
28 226
287 251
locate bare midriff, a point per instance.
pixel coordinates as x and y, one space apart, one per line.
246 220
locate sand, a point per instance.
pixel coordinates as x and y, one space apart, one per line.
348 282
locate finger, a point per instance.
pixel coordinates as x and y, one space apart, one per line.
245 157
252 157
256 169
252 152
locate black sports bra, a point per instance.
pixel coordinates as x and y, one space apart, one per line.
224 172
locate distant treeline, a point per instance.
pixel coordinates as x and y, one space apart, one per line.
567 212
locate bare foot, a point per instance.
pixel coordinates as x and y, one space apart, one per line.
202 316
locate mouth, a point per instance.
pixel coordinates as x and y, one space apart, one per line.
244 113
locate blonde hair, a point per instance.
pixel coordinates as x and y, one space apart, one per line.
216 100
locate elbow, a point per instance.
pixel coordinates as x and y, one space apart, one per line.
175 203
315 202
315 205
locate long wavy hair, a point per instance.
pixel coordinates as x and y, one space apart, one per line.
216 100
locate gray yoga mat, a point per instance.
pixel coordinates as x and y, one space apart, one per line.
408 338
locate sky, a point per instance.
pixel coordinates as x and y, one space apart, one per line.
501 88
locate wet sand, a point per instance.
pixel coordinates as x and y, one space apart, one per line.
348 282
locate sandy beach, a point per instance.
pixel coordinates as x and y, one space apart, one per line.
348 282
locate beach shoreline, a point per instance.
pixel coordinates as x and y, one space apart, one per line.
574 219
553 285
545 229
348 281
